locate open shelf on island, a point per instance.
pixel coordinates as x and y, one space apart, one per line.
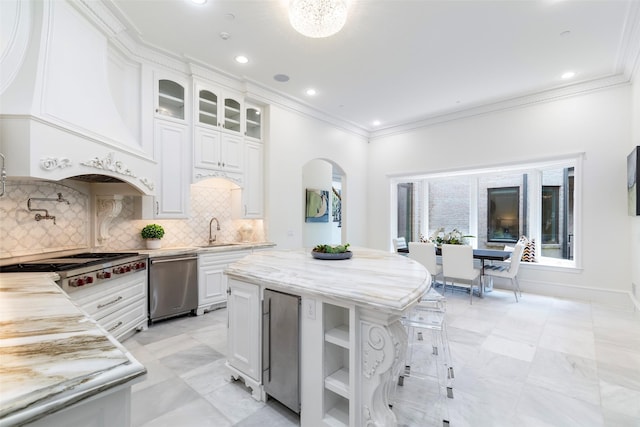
338 382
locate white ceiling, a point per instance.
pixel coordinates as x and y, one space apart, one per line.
400 61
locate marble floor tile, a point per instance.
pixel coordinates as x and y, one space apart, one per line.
566 374
198 413
540 362
234 400
508 347
159 399
576 341
191 358
620 399
541 407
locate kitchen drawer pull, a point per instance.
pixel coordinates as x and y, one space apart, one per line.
160 260
114 327
110 302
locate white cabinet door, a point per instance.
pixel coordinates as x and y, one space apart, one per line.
253 192
215 150
231 148
207 148
173 153
244 338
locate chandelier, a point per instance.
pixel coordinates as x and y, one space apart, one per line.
317 18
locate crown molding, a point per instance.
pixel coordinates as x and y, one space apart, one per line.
508 104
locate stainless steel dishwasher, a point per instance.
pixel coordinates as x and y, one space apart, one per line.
173 286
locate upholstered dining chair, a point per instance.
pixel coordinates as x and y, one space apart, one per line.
400 244
510 272
425 254
457 265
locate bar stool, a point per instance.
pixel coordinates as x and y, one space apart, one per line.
427 380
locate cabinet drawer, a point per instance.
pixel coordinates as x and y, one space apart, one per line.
221 258
101 304
124 320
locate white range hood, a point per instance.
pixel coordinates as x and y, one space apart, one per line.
70 101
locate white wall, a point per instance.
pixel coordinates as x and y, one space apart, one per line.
596 124
294 140
635 221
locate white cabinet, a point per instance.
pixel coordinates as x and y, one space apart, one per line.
215 150
212 282
244 339
172 151
119 307
215 108
170 98
253 122
337 361
248 202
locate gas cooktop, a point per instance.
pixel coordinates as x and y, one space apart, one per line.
67 262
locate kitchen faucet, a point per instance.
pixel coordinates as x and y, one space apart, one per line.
213 239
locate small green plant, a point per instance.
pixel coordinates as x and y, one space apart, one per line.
328 249
152 231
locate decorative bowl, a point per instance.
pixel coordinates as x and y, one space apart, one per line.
328 256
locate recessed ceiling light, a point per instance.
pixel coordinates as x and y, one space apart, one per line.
224 35
199 1
241 59
281 78
310 92
376 123
568 75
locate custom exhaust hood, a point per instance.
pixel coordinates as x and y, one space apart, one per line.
71 100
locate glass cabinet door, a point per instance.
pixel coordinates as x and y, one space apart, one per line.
232 115
253 123
208 108
170 99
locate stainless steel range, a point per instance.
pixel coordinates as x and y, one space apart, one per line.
85 269
110 287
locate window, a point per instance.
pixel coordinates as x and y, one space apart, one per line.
497 206
503 220
405 211
550 214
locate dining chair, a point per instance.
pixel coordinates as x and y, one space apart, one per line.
425 254
400 244
457 265
510 272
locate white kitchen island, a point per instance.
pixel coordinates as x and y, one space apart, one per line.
351 340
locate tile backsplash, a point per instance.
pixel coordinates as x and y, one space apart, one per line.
21 235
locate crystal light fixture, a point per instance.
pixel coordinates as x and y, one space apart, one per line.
317 18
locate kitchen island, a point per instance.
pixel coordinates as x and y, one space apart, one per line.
58 367
351 339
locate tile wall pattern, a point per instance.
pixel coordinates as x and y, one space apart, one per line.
208 199
21 234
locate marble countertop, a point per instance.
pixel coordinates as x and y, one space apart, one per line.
230 247
370 278
52 353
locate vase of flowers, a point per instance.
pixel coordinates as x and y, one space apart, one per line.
152 234
441 237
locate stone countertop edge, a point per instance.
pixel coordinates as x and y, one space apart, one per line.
154 253
30 299
371 279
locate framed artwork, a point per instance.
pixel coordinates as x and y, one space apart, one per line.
317 207
633 180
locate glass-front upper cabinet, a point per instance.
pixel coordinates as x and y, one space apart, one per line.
208 108
253 122
232 113
170 99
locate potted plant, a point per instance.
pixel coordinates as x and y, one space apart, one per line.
152 234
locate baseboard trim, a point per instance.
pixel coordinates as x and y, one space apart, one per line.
607 297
